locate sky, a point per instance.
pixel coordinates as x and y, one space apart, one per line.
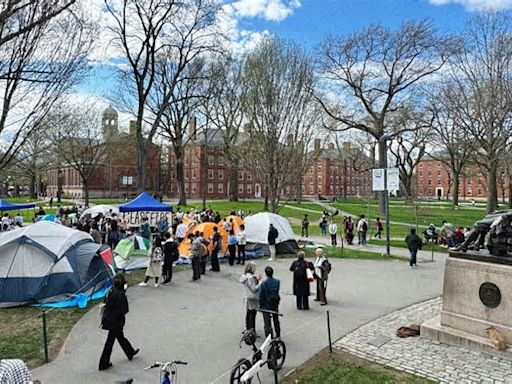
308 22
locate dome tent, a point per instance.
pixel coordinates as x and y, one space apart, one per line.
256 229
48 263
132 253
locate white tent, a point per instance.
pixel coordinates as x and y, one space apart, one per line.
101 208
256 228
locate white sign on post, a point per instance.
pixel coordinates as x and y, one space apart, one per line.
393 179
378 180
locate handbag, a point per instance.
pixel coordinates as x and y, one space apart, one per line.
309 275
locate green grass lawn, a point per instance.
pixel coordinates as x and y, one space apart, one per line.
343 368
402 244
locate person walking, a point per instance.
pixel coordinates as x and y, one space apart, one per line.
333 231
216 247
171 254
113 320
272 237
362 228
242 241
414 244
251 290
154 268
300 281
232 242
320 276
378 228
305 226
269 301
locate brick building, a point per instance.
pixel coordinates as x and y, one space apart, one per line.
116 174
434 181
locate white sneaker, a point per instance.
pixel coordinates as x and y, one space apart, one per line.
271 259
143 284
156 284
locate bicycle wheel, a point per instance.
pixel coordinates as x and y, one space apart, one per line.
242 366
276 355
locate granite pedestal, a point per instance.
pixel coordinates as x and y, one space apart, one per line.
477 294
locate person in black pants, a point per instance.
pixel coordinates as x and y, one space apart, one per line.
217 246
269 301
232 242
242 241
414 244
113 319
300 281
171 254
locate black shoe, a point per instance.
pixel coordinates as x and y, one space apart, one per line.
238 262
107 367
134 353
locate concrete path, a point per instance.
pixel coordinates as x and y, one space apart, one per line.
201 322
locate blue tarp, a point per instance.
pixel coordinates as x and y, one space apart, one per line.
6 206
145 203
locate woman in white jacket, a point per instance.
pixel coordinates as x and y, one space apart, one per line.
251 292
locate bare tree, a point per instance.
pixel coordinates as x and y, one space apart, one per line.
482 72
373 72
159 39
43 53
76 131
454 142
223 107
279 106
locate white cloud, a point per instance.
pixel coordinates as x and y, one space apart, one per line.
477 5
272 10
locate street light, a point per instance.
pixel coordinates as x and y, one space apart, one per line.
384 139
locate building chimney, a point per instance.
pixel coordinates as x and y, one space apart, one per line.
133 127
317 145
330 146
192 127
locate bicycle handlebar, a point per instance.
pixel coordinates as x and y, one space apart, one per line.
159 364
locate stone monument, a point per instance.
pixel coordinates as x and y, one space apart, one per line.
477 293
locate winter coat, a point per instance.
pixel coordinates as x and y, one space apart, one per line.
115 309
272 236
269 289
300 278
413 242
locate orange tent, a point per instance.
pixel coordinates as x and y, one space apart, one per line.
185 247
237 221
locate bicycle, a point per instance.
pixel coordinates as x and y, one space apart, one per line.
169 368
271 353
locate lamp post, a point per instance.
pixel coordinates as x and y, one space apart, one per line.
384 139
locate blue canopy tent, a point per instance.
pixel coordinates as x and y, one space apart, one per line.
6 206
145 203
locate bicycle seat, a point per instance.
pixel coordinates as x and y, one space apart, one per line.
128 381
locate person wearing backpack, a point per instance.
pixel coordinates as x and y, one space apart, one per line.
272 237
414 244
216 247
269 301
171 254
322 269
362 228
333 231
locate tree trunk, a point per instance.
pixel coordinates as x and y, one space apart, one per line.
141 167
59 185
383 163
492 192
180 174
455 191
510 191
265 203
233 182
86 192
345 176
32 186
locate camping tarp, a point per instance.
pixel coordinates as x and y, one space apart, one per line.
256 229
145 203
100 208
49 263
132 253
6 206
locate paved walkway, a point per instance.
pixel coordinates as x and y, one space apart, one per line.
376 341
201 322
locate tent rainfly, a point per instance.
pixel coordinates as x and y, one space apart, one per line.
6 206
256 229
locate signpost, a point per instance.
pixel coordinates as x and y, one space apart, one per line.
386 179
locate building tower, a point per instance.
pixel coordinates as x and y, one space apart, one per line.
109 123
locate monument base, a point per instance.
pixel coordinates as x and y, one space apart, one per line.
433 330
476 295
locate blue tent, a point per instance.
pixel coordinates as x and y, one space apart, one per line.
47 263
6 206
145 203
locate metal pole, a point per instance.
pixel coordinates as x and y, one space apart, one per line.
45 338
329 331
432 248
386 200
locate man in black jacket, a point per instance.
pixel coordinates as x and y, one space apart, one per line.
272 237
269 302
116 307
414 243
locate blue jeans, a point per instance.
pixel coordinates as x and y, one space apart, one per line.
413 253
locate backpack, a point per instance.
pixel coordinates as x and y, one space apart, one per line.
326 269
365 226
